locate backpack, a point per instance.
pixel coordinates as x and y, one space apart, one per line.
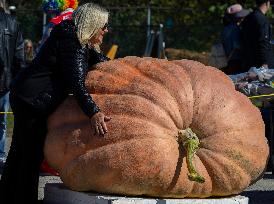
218 56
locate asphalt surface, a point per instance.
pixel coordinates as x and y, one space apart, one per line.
261 192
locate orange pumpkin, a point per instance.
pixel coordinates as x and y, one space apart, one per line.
178 129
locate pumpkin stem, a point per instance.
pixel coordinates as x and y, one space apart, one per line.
191 143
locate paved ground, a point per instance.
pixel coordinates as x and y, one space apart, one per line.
262 192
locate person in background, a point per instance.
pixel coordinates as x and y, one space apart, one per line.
28 52
11 60
61 10
231 37
258 52
59 69
256 33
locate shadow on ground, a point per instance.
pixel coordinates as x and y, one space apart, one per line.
269 176
259 197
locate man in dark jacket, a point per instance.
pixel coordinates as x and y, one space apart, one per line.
11 58
258 49
256 31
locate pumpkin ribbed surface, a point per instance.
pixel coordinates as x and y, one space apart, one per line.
150 101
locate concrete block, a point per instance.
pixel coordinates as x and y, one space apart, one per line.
57 193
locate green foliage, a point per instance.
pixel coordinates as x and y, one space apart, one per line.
30 23
10 124
188 24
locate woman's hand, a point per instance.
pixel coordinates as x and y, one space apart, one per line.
97 122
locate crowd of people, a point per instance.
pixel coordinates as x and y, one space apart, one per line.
246 38
247 41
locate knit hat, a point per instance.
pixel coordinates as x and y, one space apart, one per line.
57 6
237 11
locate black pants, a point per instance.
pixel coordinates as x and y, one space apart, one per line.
20 178
233 67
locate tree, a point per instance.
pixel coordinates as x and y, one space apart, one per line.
190 24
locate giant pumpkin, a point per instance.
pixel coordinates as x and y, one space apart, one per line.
178 129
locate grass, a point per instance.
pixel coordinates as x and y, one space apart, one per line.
9 125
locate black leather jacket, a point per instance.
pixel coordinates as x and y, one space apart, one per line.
256 36
11 50
59 68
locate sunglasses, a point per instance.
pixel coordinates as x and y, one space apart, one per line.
105 27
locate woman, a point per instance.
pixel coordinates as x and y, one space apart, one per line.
28 52
231 37
59 68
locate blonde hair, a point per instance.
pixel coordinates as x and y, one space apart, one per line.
28 55
4 5
89 18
